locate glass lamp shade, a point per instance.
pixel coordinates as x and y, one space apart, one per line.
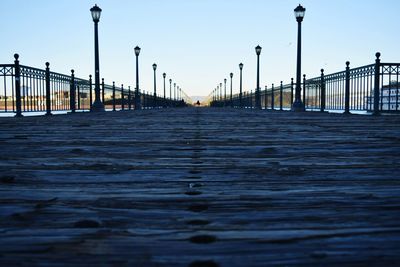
258 50
96 12
299 12
231 74
241 66
224 80
137 50
220 85
164 75
170 80
154 66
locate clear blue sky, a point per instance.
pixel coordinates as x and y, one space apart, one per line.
199 42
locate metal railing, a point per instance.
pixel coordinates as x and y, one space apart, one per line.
28 89
373 88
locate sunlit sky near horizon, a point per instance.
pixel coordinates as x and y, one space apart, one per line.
198 42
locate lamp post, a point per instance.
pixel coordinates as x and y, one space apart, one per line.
240 92
97 105
155 87
258 98
165 101
224 92
230 99
298 105
220 91
170 91
137 94
174 91
213 95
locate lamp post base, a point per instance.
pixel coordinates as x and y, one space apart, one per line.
97 107
298 106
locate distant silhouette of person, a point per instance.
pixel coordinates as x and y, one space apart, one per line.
198 103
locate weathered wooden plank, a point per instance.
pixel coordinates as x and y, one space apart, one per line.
218 187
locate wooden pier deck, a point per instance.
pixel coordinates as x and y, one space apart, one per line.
200 187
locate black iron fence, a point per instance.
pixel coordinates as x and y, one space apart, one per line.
27 89
373 88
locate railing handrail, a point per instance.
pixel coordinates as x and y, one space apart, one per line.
363 88
29 88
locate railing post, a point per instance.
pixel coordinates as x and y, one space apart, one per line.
122 98
48 100
323 93
102 88
79 96
304 92
251 99
72 92
113 95
347 90
90 92
17 76
266 98
272 97
144 100
129 98
291 92
376 83
281 97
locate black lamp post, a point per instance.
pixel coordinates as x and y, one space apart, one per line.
165 101
174 91
137 94
298 105
213 95
224 92
220 90
97 105
155 87
230 99
240 92
258 98
170 90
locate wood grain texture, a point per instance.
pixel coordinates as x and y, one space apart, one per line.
200 187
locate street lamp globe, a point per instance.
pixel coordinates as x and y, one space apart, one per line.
164 75
137 50
258 50
299 13
96 12
154 66
241 66
231 74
